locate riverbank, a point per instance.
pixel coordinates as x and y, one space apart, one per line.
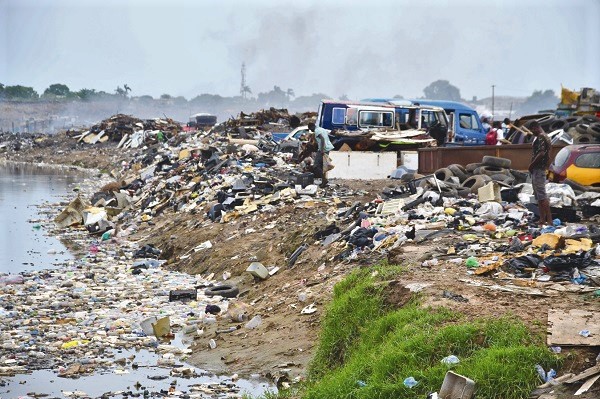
291 302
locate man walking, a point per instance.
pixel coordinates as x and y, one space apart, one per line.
538 167
323 148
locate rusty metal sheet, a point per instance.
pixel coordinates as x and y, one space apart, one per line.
431 159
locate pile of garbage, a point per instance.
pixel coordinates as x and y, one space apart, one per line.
128 131
583 129
261 124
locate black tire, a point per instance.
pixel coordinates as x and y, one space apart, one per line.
589 119
475 182
492 170
472 166
520 177
594 129
559 124
463 192
459 171
574 185
443 174
546 121
584 139
574 120
224 290
502 177
498 162
582 128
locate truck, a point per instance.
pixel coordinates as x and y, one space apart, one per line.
465 126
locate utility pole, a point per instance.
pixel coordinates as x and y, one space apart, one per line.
243 85
493 86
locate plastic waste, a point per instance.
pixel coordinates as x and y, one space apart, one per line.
472 262
448 360
12 279
556 222
410 382
584 333
255 322
430 262
556 349
212 344
361 383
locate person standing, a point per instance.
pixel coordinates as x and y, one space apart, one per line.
537 168
486 125
323 147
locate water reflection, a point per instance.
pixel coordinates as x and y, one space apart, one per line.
24 244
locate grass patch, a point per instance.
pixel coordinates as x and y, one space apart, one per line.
367 349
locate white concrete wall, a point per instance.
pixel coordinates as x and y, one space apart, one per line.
363 165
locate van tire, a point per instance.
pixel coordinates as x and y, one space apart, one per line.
224 290
472 166
498 162
589 119
459 171
584 139
443 174
473 183
582 128
594 130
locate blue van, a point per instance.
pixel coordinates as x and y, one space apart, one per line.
465 125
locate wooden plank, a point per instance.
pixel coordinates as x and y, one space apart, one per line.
564 327
585 374
587 385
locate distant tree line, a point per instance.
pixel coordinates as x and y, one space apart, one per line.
277 97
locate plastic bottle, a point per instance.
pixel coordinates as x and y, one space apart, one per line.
449 360
212 344
472 262
254 322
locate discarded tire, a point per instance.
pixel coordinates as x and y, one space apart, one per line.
589 119
225 290
472 166
489 160
574 120
492 170
459 171
475 182
443 174
584 139
503 178
520 177
559 124
463 192
582 128
594 129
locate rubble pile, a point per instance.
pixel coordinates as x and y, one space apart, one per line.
128 131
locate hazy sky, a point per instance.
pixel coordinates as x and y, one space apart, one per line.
359 48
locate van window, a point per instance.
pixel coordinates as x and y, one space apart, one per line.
591 160
352 117
338 116
468 121
429 118
376 119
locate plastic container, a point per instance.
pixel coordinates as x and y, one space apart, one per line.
456 386
257 269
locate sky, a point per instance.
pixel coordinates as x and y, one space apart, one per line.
336 47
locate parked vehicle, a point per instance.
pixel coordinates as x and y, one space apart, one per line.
202 120
354 116
579 163
465 127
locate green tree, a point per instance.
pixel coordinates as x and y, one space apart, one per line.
273 98
120 92
166 97
87 94
19 92
57 89
442 90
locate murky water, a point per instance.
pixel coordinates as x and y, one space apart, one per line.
25 245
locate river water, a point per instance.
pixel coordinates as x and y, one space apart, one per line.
25 246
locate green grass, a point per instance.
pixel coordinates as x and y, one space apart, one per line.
364 340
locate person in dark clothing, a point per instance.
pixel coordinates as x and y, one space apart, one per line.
537 168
